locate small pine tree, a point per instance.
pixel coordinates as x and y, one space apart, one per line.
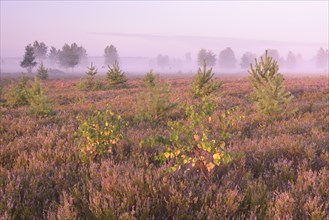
150 79
203 84
42 72
90 83
39 103
115 75
154 105
267 82
18 93
92 71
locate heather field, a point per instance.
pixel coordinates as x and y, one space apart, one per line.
277 168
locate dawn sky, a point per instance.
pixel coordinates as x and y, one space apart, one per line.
83 22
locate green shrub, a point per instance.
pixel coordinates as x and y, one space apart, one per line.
151 79
115 76
192 143
39 103
18 93
1 95
267 82
42 72
90 83
203 84
99 135
154 105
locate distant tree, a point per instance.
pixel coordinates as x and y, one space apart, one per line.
322 58
115 76
299 58
291 60
70 56
83 55
40 50
247 59
206 57
227 58
111 55
42 72
53 56
28 61
2 63
162 60
188 57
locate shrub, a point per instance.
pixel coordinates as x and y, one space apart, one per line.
154 104
42 72
100 135
192 143
90 83
151 79
267 82
39 103
203 84
115 76
1 94
18 94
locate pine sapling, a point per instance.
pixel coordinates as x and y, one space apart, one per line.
42 72
269 93
115 75
39 103
203 84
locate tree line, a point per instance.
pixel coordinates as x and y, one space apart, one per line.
67 57
227 59
70 55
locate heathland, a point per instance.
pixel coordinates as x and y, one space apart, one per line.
274 167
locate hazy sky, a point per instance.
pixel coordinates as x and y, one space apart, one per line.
59 22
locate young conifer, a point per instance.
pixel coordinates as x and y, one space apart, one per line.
92 71
115 75
42 72
39 103
269 93
203 84
90 83
18 93
154 104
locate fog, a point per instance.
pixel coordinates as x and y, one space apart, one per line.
139 54
141 31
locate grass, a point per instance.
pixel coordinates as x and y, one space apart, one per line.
282 173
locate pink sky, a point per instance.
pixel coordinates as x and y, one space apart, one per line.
59 22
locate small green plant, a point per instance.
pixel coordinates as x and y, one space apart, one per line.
100 134
192 143
39 103
269 93
90 83
115 76
18 93
154 104
42 72
1 94
151 79
203 84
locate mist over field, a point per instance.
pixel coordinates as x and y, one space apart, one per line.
164 110
173 29
143 57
